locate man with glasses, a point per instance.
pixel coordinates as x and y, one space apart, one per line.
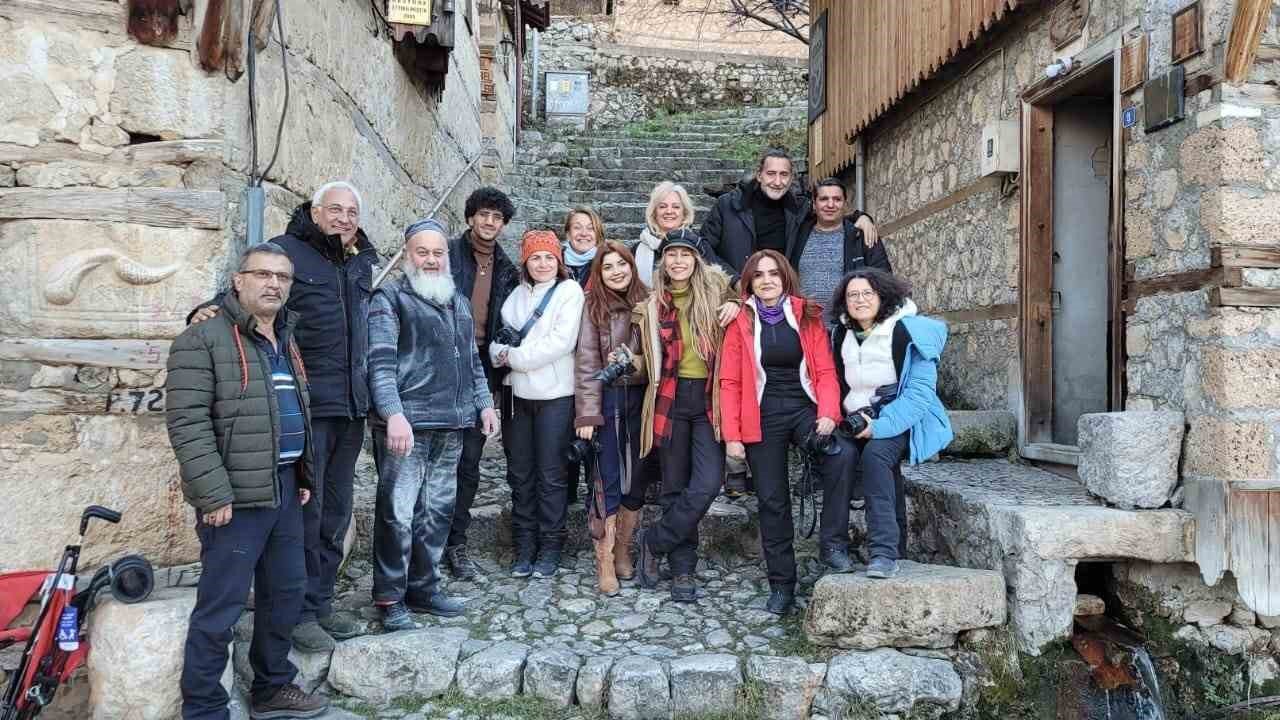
237 415
333 264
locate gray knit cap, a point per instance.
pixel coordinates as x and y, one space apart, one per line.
425 224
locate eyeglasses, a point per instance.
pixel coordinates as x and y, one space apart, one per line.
264 275
338 211
860 294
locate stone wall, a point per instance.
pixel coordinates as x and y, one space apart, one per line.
661 25
629 82
122 168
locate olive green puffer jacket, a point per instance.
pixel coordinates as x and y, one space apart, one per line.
221 411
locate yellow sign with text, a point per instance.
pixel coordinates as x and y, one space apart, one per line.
409 12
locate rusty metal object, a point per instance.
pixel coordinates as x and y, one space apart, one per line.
154 22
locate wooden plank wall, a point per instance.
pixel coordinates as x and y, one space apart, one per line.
880 50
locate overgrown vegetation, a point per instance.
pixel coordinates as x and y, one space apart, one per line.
746 148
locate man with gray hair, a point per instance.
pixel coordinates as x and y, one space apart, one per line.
333 263
238 415
428 386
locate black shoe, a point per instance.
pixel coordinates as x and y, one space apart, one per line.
548 561
438 604
461 566
523 565
396 617
836 559
290 702
647 566
684 589
781 601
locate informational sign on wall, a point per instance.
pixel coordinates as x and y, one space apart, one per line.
409 12
568 93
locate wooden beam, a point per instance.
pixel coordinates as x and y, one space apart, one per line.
95 15
1006 311
1254 257
130 354
1245 297
988 183
1247 26
1036 261
177 152
162 207
264 14
1260 485
1206 498
209 41
48 401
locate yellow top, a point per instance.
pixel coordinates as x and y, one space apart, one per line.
691 366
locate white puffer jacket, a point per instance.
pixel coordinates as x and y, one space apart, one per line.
542 366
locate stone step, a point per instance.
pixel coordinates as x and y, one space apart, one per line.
924 606
1034 527
643 186
609 212
590 197
627 161
653 170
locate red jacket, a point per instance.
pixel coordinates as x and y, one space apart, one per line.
739 368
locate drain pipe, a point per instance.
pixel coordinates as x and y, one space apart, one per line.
533 96
859 176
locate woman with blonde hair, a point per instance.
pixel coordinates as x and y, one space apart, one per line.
583 236
669 209
681 326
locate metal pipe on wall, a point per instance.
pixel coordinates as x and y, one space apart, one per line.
533 96
859 176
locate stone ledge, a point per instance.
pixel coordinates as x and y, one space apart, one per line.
925 606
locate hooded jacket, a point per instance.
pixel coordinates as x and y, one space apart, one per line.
222 415
330 294
917 408
423 360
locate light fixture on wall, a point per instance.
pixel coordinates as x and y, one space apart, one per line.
505 48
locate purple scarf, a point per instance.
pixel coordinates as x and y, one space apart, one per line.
771 315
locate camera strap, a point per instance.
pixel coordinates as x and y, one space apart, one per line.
537 312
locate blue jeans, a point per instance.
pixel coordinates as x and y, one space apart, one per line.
262 546
886 497
620 444
412 514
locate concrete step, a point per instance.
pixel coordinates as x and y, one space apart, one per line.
1034 527
924 606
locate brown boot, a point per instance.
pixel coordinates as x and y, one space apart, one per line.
605 579
623 564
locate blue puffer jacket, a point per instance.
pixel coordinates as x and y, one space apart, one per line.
917 407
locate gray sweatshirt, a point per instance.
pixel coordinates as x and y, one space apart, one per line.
423 360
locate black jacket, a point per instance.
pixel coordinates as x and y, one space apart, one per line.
729 228
506 276
330 294
856 253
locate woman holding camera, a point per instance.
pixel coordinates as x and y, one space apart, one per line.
540 328
887 362
609 399
681 326
778 388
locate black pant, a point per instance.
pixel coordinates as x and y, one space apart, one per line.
473 440
886 496
536 436
262 546
328 515
780 428
692 468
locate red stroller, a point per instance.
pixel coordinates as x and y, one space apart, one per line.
54 646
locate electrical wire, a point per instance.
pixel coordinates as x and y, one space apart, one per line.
284 66
255 177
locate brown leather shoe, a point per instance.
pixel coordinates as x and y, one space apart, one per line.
606 581
290 702
624 565
648 569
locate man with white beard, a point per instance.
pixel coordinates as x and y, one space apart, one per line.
427 385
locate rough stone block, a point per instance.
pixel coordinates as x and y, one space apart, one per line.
137 657
161 92
495 672
789 684
551 674
117 461
1240 217
638 690
1219 156
924 606
593 679
1241 379
380 668
981 432
1130 458
1206 612
705 684
895 682
74 278
1228 449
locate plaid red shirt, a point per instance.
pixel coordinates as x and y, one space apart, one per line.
672 342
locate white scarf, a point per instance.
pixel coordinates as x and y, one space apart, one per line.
646 256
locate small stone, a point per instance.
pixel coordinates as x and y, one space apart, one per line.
895 682
551 674
648 603
577 606
596 628
789 685
719 638
1242 616
1262 669
493 673
1206 612
981 432
378 668
1228 639
592 678
755 641
638 689
633 621
705 684
1270 622
1130 458
1087 605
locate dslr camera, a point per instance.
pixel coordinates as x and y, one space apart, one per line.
854 423
579 450
816 444
616 369
507 336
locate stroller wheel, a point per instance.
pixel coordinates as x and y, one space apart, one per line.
132 579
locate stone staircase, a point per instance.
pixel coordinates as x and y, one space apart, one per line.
614 170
